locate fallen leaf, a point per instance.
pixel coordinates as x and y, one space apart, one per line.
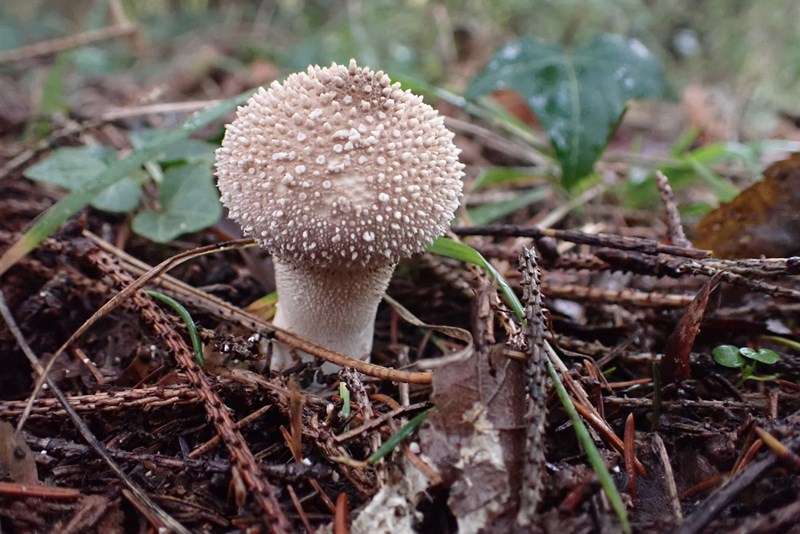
474 439
674 365
516 106
762 220
16 458
711 113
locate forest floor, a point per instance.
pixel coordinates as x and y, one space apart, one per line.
635 318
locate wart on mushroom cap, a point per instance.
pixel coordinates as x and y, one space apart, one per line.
338 173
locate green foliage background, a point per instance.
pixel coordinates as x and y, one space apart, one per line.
750 50
750 47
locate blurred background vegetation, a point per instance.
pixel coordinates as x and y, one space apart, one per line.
750 50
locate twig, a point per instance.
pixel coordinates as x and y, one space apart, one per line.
147 397
39 491
649 299
629 455
638 244
190 106
669 478
536 384
697 521
683 403
498 142
695 267
57 447
228 311
675 228
565 207
139 496
46 48
240 424
299 507
241 456
378 421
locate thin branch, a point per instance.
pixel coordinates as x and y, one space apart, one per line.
138 493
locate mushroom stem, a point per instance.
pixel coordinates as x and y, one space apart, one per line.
332 306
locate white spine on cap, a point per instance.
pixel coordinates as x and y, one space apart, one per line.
311 126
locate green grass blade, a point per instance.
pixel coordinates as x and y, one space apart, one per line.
68 206
344 393
723 190
401 434
462 252
197 345
487 213
592 454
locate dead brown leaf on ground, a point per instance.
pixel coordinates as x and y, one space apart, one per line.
762 221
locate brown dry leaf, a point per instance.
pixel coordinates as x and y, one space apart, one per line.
16 457
516 105
475 438
763 220
710 112
788 127
674 365
259 72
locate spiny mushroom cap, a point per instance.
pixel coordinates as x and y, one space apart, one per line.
339 166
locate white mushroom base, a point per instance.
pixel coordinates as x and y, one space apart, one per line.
331 306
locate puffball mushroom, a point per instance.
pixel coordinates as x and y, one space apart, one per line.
339 173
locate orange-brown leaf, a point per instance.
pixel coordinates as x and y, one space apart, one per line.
674 365
763 220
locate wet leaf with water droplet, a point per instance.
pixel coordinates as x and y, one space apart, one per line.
578 95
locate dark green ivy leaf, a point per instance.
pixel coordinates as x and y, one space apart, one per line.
578 95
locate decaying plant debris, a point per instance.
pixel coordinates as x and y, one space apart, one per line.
626 315
280 449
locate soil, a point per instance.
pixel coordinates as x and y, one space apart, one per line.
155 440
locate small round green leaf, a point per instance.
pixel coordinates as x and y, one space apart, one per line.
766 356
747 352
728 356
